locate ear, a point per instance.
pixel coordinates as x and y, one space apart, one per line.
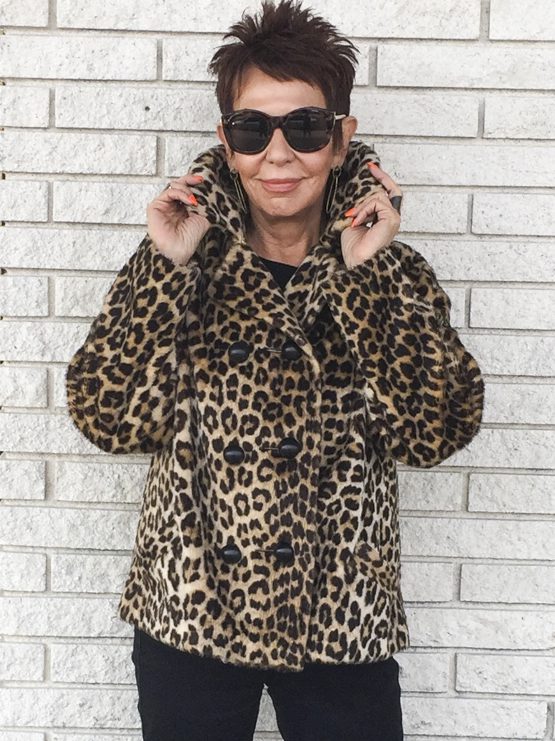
348 129
221 137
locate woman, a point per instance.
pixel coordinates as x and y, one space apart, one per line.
277 355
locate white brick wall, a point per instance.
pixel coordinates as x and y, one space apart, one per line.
101 104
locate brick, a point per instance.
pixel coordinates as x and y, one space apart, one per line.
99 574
435 19
80 296
428 64
21 661
23 296
512 355
182 150
92 663
86 617
102 202
514 583
519 213
187 58
22 200
23 572
67 527
21 479
58 152
470 164
43 433
23 387
495 260
453 717
512 117
513 308
67 249
81 481
96 737
432 212
24 105
507 21
427 582
79 708
430 490
519 403
472 537
41 341
496 492
423 672
24 13
86 57
60 395
522 675
517 630
414 114
121 107
505 448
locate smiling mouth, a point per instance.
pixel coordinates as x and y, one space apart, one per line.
280 186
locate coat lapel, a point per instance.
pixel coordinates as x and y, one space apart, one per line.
236 277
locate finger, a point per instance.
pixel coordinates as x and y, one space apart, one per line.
389 184
178 191
380 206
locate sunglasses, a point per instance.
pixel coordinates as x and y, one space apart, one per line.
305 129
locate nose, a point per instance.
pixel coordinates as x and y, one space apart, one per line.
278 150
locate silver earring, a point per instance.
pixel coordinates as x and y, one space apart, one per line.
239 190
335 173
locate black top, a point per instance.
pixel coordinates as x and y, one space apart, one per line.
280 270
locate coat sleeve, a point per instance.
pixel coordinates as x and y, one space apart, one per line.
121 383
424 390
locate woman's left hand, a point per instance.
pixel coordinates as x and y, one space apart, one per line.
358 242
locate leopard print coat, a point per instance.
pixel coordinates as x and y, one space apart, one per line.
268 535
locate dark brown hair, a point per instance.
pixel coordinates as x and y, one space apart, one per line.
286 42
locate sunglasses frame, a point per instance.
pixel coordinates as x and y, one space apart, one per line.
278 122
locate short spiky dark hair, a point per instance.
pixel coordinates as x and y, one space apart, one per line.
288 43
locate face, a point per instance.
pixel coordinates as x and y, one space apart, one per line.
279 181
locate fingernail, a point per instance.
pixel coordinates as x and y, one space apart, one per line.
373 164
199 177
193 200
350 212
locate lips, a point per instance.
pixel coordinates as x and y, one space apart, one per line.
281 185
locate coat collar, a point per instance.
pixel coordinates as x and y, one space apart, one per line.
236 276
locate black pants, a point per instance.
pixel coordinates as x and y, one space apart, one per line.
184 697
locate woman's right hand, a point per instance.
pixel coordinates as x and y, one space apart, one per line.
174 228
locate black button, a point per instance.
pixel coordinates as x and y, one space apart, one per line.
239 351
230 553
234 453
289 447
283 552
290 350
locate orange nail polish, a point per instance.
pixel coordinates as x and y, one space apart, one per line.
373 164
193 200
350 212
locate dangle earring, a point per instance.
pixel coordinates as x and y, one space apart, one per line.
239 190
335 173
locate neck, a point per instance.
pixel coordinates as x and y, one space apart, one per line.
285 239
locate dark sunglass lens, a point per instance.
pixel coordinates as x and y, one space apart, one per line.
248 133
308 130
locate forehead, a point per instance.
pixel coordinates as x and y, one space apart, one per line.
264 93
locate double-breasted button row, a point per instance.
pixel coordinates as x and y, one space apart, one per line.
287 448
283 551
239 351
